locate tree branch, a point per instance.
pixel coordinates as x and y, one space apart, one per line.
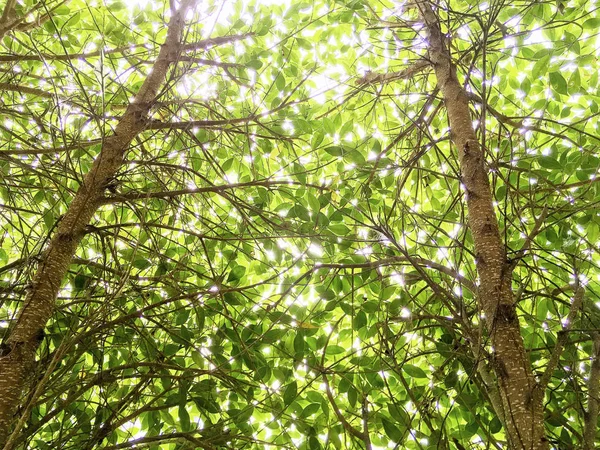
530 237
148 440
347 426
47 151
8 16
214 42
220 188
382 78
563 336
200 45
590 428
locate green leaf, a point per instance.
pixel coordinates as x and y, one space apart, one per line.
360 320
371 307
414 371
313 203
310 410
548 162
392 431
558 82
339 229
290 393
254 64
197 358
592 24
299 344
317 139
184 418
117 6
398 414
335 151
352 396
574 83
232 299
49 219
355 157
313 443
170 349
540 67
264 25
280 82
236 274
335 349
63 10
495 425
301 212
80 282
141 263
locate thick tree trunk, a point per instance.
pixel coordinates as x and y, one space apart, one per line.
521 401
19 349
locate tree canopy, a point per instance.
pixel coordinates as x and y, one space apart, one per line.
300 225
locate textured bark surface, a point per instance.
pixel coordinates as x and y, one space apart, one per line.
591 418
521 402
8 16
19 350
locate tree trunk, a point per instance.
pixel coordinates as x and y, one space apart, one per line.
590 429
18 351
521 401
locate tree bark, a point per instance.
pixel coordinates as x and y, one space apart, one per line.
590 429
19 349
521 401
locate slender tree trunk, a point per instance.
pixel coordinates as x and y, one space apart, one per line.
590 429
8 15
19 349
521 401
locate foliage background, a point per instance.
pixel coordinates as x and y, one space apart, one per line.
283 260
